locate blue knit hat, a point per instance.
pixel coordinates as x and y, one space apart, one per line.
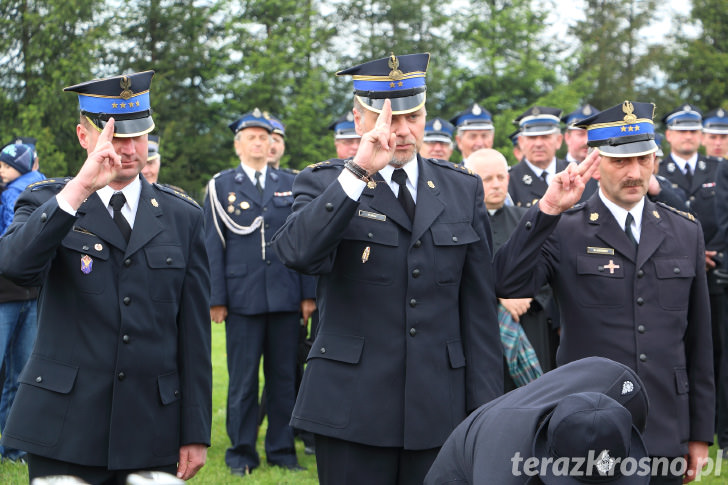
18 156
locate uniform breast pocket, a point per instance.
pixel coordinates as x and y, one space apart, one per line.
601 281
167 263
86 260
674 278
368 252
451 241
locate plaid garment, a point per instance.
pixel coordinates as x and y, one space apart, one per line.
523 365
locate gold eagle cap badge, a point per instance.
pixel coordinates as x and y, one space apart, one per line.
126 91
395 74
629 116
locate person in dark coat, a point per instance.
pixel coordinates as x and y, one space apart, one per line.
120 377
259 299
539 138
408 338
629 276
696 175
496 441
530 313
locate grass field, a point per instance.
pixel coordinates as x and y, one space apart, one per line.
216 473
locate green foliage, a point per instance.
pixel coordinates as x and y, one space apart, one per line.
699 66
217 59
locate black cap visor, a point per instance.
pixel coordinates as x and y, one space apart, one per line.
400 105
125 126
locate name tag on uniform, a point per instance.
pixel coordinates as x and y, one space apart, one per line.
372 215
593 250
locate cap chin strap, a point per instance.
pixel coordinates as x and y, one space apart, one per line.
232 226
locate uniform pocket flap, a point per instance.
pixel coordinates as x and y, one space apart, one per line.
456 354
49 374
169 387
372 231
82 241
342 348
666 268
453 234
165 256
681 380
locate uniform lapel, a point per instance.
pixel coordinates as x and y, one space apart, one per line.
245 186
428 206
94 217
271 184
146 222
700 175
607 228
677 175
652 235
381 198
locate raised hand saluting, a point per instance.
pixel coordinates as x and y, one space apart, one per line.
376 148
100 168
568 185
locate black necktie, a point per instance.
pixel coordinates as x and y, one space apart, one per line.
257 181
117 202
544 176
688 174
628 229
404 196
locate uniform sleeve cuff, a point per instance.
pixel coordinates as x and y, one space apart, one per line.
353 187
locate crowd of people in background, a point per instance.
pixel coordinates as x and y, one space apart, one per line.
414 290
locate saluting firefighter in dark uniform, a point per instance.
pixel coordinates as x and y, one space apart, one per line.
258 298
629 276
120 377
408 339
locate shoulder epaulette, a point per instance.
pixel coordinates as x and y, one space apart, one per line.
227 170
458 167
289 170
686 215
576 207
334 162
177 193
54 182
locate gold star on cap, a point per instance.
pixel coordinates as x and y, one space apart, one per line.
593 216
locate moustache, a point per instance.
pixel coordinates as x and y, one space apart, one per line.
633 183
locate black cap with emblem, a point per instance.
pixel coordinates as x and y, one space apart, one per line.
124 98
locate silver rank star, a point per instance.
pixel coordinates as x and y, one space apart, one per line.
527 179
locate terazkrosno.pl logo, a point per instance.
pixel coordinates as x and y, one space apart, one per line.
602 464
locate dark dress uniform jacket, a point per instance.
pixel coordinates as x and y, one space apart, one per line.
480 450
700 193
242 279
525 187
120 375
646 308
408 338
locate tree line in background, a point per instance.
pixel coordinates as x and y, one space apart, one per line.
217 59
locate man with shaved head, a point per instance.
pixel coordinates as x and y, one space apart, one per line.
492 168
